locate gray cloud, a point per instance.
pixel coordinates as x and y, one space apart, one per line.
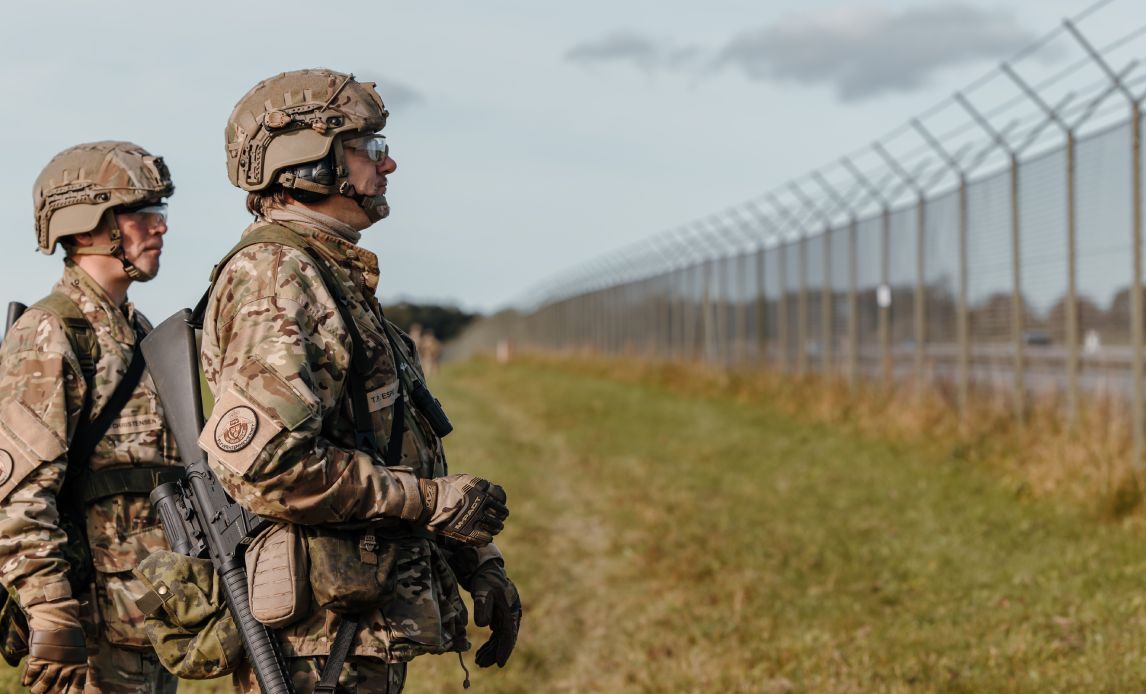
645 53
863 52
396 95
857 50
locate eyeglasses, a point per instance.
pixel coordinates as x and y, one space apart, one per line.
373 146
150 215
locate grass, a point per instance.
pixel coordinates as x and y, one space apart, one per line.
688 531
684 531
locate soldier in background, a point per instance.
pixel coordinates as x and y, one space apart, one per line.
430 347
306 432
74 511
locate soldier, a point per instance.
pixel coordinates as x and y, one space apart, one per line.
430 349
318 420
82 439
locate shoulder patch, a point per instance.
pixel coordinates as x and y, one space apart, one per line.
237 432
236 428
6 466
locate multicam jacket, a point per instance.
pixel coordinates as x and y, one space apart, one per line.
41 394
281 438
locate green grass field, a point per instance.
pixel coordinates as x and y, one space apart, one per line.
669 542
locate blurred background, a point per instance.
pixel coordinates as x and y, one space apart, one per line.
807 340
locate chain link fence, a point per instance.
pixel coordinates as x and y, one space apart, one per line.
1004 252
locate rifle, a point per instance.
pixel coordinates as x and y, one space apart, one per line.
15 310
198 517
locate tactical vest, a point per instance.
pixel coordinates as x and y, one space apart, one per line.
413 389
82 486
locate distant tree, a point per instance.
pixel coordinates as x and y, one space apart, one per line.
1089 314
446 321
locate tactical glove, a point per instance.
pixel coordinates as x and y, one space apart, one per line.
496 605
57 656
463 507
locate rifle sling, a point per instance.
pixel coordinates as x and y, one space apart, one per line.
89 435
83 486
138 479
339 649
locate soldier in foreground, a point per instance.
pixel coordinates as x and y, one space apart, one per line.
82 439
322 420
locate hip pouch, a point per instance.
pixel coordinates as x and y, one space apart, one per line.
350 570
186 616
277 575
13 630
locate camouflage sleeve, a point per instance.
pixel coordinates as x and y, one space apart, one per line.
43 390
280 361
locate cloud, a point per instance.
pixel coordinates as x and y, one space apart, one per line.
862 51
396 95
648 54
857 50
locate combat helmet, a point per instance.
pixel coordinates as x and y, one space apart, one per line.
289 130
85 184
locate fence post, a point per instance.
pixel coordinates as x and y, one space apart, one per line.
885 266
802 297
761 286
962 328
1018 317
826 284
853 293
1138 397
919 320
1069 131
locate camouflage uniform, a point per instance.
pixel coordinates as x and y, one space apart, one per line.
42 390
275 348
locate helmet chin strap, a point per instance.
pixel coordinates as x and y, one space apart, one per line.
375 206
115 250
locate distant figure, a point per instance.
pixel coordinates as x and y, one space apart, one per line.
430 348
504 350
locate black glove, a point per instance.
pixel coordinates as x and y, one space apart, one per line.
496 605
462 507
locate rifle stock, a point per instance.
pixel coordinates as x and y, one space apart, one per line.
15 310
199 518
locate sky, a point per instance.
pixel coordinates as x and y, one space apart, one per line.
530 136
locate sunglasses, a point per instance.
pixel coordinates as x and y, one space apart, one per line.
374 146
151 215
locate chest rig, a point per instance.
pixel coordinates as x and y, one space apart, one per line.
413 390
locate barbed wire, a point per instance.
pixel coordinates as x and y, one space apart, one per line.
891 167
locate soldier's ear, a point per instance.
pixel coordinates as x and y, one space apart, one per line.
76 241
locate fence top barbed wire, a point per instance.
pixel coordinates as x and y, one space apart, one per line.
956 138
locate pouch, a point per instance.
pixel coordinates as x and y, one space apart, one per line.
351 571
13 630
186 616
278 579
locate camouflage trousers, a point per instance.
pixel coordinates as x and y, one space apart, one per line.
113 670
120 671
358 676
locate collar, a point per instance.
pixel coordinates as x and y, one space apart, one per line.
95 304
347 255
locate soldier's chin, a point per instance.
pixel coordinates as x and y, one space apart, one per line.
375 207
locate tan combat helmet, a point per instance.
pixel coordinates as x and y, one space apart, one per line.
85 183
288 130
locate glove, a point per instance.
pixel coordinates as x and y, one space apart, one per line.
496 605
57 656
462 507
